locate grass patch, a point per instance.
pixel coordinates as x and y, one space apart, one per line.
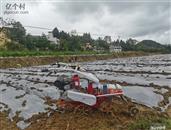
57 53
44 53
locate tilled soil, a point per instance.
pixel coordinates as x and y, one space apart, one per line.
5 123
169 111
85 120
80 119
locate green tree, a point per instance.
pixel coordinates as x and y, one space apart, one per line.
123 45
129 46
86 38
102 44
17 32
29 42
42 43
64 45
14 46
37 43
63 35
55 32
74 43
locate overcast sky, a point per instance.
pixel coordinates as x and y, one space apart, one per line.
137 19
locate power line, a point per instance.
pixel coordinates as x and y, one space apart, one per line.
37 27
43 28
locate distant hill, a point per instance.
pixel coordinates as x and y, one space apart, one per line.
150 45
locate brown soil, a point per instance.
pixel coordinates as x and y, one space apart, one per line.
5 123
81 120
87 120
76 120
92 119
169 111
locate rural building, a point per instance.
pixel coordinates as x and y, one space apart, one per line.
115 48
53 39
73 33
88 46
132 41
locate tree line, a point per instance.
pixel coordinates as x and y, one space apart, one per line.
22 41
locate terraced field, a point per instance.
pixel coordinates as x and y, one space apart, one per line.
146 79
28 95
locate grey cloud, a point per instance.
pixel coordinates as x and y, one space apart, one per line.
128 19
152 23
151 20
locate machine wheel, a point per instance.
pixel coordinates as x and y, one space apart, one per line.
133 111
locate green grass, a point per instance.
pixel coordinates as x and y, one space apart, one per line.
59 53
43 53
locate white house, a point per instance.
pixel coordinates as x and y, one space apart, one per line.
53 39
115 48
73 32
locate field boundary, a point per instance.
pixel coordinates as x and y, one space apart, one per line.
15 62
